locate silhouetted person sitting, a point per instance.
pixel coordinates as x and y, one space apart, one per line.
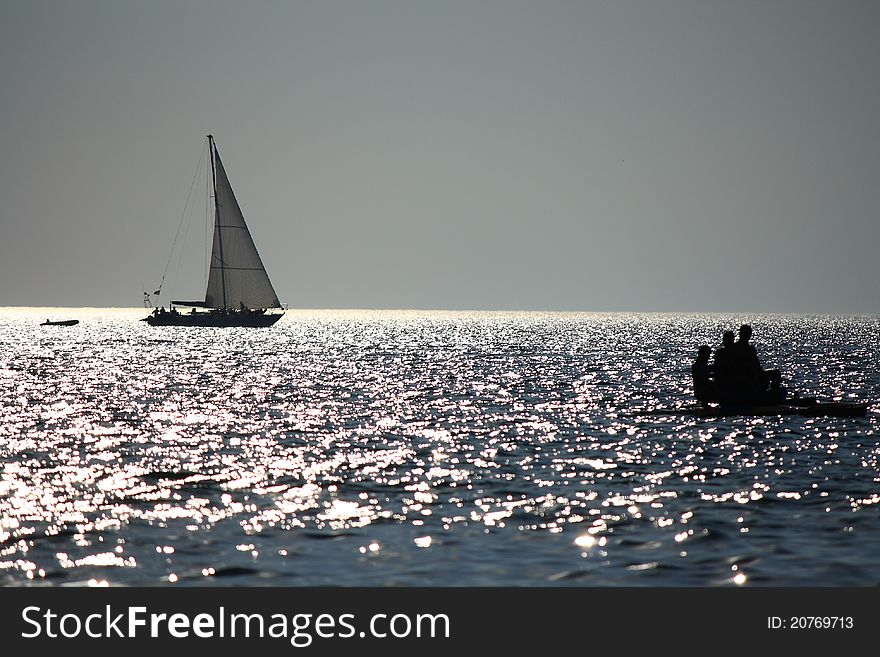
701 371
732 381
749 373
757 380
777 393
725 360
747 351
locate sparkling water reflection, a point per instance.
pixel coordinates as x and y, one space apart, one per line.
427 448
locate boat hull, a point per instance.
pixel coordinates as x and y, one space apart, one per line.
827 409
66 322
214 320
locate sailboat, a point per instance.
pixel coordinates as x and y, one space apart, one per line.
239 292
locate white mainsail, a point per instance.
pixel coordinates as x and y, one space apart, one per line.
237 276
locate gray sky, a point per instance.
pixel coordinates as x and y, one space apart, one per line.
619 155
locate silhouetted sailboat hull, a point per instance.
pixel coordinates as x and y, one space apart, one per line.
217 320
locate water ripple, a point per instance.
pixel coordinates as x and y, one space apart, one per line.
427 448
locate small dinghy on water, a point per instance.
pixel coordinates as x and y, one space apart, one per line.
65 322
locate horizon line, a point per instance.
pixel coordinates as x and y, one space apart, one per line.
496 310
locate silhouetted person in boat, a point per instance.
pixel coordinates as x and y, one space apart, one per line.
724 365
731 380
701 371
746 382
757 382
745 352
777 393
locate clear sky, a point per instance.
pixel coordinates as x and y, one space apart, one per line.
476 154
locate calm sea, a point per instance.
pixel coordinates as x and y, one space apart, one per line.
364 448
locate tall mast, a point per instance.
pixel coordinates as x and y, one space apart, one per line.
217 221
